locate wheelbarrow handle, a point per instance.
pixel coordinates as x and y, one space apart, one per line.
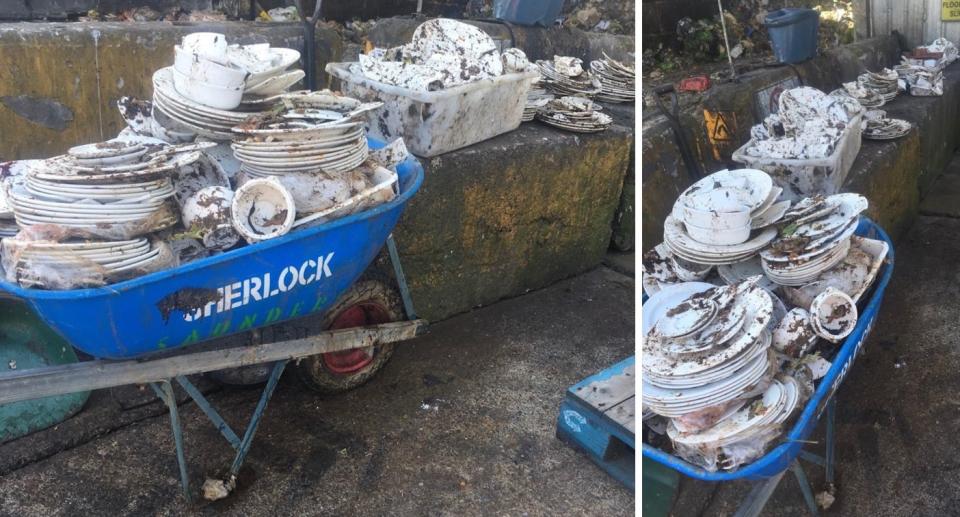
667 89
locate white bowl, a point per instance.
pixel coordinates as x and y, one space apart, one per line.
833 315
207 71
794 334
727 237
207 94
722 209
211 45
263 209
207 212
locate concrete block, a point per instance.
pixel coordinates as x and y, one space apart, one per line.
511 214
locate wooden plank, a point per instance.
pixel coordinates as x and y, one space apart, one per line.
603 391
623 414
90 375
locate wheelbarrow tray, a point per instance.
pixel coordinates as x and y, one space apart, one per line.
780 457
295 275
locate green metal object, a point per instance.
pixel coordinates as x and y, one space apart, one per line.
25 343
659 488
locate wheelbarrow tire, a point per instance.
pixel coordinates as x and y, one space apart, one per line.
369 301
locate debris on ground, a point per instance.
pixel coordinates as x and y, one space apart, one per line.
216 489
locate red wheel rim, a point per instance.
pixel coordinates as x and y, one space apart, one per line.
359 315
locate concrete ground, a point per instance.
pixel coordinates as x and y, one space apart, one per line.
898 412
460 422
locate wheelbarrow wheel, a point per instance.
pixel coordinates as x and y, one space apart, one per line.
368 302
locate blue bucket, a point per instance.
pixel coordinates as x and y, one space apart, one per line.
528 12
793 33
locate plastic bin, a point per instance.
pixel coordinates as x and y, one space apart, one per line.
793 33
528 12
433 123
804 178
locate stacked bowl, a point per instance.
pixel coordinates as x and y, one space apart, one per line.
816 239
725 218
706 346
208 71
537 98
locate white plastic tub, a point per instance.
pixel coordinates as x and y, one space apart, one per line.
805 178
433 123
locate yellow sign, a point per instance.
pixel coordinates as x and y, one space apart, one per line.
721 129
950 10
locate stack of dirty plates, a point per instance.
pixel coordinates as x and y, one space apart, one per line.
883 83
705 348
210 122
99 262
565 76
537 98
749 421
817 238
867 97
102 190
576 114
8 223
725 218
617 80
878 127
301 145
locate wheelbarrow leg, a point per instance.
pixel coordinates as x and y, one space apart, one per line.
757 498
257 414
831 416
165 392
401 278
804 487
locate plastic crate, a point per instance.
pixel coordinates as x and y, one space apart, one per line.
810 177
433 123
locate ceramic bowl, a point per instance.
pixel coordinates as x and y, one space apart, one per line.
833 315
794 335
208 214
207 94
210 45
721 209
263 209
207 71
719 237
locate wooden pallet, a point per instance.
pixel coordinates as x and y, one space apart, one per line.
597 417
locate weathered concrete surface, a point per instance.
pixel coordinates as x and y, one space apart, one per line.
511 214
897 418
887 173
625 218
663 176
59 83
942 200
496 377
622 262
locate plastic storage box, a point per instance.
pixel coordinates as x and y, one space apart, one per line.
793 33
810 177
433 123
528 12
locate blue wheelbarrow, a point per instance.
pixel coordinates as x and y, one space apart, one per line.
152 330
767 471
